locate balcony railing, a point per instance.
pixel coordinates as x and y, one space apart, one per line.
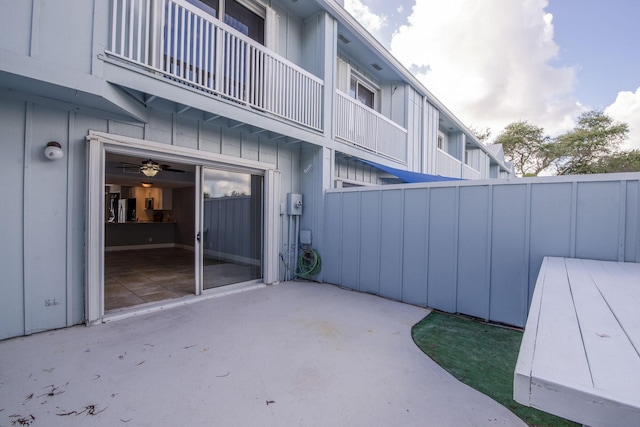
448 165
359 125
470 173
186 44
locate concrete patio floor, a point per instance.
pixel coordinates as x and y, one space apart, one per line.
295 354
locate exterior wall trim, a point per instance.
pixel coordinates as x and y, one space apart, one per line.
99 143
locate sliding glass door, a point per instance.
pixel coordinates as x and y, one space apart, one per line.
231 231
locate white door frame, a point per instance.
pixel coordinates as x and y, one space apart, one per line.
197 246
99 143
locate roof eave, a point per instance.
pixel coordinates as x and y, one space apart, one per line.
340 13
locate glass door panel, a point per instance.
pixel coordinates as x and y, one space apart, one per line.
232 230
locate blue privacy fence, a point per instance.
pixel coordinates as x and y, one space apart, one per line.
475 247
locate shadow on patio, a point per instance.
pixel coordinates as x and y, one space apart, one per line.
292 354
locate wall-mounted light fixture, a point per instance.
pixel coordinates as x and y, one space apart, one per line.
53 151
146 184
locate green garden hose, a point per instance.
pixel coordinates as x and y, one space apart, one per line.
309 263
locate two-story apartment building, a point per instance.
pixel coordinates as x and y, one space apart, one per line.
157 150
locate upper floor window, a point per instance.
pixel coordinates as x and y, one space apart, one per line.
359 91
356 84
441 141
245 16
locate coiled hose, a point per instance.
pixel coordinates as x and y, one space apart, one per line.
309 263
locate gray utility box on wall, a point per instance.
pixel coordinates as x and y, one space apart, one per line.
294 204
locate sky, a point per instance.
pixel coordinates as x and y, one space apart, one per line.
494 62
219 183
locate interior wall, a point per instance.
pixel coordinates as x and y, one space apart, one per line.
184 215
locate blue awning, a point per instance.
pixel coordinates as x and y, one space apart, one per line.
411 177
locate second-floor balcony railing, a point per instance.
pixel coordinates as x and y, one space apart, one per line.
360 125
447 165
186 44
469 172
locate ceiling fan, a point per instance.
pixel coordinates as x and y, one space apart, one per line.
149 168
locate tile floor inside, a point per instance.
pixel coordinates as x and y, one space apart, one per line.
150 275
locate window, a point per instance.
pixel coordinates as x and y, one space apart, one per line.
209 6
244 20
244 16
441 141
363 94
356 84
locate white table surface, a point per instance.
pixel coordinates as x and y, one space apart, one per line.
580 354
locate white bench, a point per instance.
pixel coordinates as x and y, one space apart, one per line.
580 353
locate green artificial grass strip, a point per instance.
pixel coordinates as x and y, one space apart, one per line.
480 355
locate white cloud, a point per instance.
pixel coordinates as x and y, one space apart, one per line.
372 22
489 62
222 183
626 108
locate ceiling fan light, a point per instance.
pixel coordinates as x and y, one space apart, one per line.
150 168
148 172
146 184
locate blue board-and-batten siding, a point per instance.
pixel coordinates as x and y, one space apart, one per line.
42 250
369 243
475 248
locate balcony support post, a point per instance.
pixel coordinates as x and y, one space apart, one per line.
330 33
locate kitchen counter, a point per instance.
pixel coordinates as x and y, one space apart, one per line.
139 233
140 222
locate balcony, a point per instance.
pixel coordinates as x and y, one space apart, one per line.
470 173
183 43
359 125
447 165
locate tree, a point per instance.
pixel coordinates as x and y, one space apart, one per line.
584 149
526 146
482 134
625 161
593 146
